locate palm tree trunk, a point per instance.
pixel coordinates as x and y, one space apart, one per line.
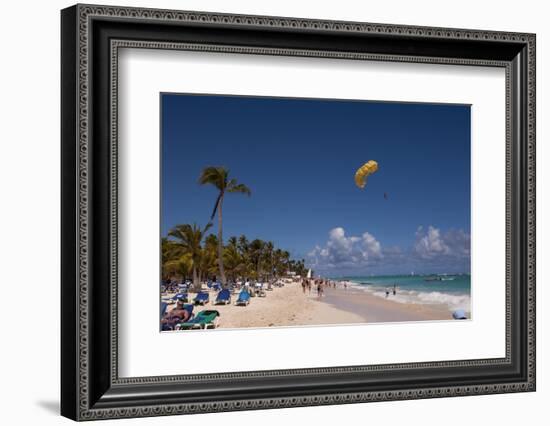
196 281
220 243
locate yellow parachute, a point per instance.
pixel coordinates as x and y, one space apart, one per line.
365 170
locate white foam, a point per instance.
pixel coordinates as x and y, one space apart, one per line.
452 301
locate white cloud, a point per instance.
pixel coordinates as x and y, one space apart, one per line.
371 245
341 250
431 243
432 250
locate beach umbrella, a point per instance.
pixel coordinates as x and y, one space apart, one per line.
459 314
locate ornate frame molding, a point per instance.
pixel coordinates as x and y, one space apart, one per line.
80 19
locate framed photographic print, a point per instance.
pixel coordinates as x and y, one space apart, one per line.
263 212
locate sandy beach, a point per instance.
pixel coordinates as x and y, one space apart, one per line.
289 306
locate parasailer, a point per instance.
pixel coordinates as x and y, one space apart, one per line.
365 170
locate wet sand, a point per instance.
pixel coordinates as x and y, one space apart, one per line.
376 309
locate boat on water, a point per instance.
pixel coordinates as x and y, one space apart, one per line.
433 278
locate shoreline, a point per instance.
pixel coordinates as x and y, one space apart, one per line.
289 306
374 309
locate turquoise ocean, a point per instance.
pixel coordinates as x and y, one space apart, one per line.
450 290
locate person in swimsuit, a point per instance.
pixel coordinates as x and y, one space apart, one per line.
175 316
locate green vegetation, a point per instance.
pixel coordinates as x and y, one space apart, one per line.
190 252
256 259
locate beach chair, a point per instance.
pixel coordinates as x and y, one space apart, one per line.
201 298
180 296
203 320
216 286
243 299
189 308
224 297
168 300
259 290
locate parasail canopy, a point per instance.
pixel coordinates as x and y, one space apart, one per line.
365 170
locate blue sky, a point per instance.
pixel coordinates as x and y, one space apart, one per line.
299 157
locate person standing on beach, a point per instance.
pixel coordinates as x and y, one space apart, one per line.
387 292
394 289
304 283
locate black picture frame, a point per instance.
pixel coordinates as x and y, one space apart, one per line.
90 386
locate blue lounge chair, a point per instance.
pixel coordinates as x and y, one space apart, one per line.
244 298
181 296
201 298
216 286
163 307
224 297
189 308
204 320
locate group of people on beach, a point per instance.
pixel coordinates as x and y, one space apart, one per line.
393 290
318 284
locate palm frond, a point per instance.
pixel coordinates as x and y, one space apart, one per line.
214 175
207 227
239 188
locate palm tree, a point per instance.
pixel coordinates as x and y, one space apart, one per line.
256 249
268 258
180 266
190 238
242 245
233 262
219 178
210 256
172 253
279 265
233 243
286 260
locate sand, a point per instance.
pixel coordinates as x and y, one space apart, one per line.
289 306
